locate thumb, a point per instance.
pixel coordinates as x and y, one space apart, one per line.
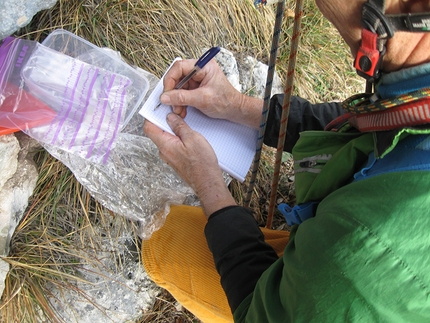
178 126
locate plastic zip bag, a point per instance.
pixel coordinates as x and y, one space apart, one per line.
133 181
63 101
89 102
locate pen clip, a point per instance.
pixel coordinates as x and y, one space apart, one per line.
206 57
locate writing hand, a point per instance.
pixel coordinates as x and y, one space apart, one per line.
209 91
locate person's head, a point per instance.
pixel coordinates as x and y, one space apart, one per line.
405 49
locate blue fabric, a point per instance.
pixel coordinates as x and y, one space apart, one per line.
412 153
405 74
404 81
424 145
390 90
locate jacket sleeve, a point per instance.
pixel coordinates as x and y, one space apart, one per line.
233 235
239 251
303 116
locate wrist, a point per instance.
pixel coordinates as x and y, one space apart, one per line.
250 110
214 195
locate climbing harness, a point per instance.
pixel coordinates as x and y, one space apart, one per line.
365 112
409 109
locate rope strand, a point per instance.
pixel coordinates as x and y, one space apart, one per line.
285 108
268 91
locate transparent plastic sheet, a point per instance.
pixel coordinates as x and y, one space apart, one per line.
134 182
131 180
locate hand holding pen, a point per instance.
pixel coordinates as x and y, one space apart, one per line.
202 61
211 93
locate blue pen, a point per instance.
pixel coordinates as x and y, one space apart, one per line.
206 57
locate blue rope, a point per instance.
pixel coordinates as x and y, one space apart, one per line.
268 92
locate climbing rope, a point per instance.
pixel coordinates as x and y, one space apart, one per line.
267 94
286 103
285 108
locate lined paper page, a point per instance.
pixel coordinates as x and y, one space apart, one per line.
234 144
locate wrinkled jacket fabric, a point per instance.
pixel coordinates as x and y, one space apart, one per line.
363 257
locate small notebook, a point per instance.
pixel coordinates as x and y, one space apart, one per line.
234 144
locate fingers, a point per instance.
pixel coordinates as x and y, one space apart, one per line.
206 90
154 133
160 137
182 98
150 129
178 126
180 111
178 71
165 141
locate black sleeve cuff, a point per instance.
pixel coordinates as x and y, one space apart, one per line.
213 215
303 116
239 251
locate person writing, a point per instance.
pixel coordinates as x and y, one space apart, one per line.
361 256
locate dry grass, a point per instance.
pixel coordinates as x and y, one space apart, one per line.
42 238
149 34
55 238
167 310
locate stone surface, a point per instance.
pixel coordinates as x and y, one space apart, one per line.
228 64
15 14
247 74
117 288
9 149
4 269
253 77
17 162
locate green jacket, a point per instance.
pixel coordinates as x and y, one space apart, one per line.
364 257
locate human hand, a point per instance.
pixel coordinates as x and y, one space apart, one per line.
210 92
193 158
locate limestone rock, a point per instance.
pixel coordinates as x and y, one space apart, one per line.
15 14
116 288
19 177
228 64
253 76
9 149
247 74
4 269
